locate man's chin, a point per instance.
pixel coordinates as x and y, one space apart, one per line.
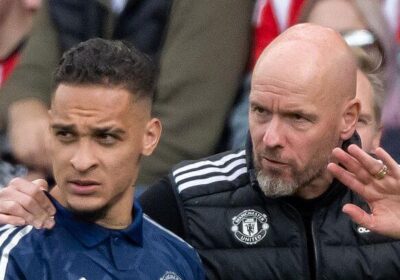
274 186
89 214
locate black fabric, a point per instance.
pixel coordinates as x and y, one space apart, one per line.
77 21
306 208
141 23
160 204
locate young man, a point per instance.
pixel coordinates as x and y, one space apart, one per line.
273 210
100 127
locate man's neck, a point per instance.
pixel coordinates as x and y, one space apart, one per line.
118 216
316 188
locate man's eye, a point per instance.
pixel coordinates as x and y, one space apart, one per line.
64 135
298 118
362 122
258 110
106 139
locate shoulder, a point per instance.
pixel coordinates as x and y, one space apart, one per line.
167 242
16 243
171 250
152 228
160 203
12 236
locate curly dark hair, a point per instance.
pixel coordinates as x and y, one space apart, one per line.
108 63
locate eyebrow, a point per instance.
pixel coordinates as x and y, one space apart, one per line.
309 115
58 126
96 130
114 130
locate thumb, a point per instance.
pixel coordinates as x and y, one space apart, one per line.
42 184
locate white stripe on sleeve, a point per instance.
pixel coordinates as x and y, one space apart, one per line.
6 251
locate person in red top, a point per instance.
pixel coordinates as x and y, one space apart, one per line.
270 19
16 17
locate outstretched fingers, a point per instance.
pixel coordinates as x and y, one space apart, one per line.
372 178
348 179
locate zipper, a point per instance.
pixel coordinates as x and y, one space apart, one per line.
315 240
299 221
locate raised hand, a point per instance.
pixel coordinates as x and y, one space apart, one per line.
377 181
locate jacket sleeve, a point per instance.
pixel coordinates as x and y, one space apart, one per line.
14 256
159 202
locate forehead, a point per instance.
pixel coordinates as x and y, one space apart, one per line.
91 102
295 86
283 89
304 70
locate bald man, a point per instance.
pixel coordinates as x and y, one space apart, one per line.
274 210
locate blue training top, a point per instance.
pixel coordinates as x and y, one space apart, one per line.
79 250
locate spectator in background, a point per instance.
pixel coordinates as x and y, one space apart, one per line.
371 94
16 19
391 112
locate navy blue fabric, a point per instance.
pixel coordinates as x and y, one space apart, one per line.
75 249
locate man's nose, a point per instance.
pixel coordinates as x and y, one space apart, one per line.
273 135
84 157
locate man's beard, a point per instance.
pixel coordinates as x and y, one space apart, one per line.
273 185
90 216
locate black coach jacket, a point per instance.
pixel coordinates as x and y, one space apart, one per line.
241 234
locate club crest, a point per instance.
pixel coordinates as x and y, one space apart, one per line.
169 275
250 226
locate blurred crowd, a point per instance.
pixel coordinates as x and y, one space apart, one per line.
205 52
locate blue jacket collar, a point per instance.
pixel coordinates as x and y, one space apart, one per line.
91 234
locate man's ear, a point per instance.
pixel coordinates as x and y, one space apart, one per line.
151 136
350 118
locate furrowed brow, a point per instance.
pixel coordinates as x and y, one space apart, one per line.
308 115
65 127
112 130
